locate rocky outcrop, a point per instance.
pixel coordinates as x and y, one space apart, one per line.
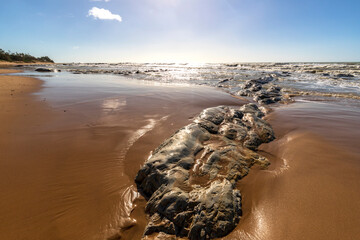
44 70
190 180
255 88
344 75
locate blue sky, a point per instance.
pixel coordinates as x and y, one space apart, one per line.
182 30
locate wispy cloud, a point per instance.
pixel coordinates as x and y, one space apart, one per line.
103 14
99 0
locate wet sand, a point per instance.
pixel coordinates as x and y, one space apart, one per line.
311 190
70 152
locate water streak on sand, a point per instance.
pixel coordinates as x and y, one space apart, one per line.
137 135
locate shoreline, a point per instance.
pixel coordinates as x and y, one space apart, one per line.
4 64
74 157
16 97
97 125
312 178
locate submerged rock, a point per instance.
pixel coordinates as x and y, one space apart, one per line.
190 179
224 80
344 75
44 70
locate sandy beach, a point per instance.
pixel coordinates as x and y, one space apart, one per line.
5 64
71 150
179 120
69 159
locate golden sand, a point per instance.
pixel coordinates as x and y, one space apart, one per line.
67 170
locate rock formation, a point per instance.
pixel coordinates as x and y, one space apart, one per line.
254 88
190 180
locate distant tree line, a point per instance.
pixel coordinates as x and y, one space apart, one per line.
22 57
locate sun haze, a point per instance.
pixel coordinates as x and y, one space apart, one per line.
183 30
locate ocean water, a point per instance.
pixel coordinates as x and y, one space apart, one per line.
333 78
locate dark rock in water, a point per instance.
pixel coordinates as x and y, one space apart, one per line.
341 75
223 81
268 96
254 88
190 179
231 65
264 80
252 85
43 70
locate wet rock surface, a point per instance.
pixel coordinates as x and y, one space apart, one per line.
255 88
190 180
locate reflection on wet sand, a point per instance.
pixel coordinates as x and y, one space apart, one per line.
69 155
113 104
68 164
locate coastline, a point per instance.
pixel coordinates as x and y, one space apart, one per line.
70 162
84 143
5 64
309 190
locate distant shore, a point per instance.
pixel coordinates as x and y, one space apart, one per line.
5 64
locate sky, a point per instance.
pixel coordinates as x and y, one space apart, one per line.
182 30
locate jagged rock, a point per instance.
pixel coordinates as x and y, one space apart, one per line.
219 206
159 224
253 109
254 88
244 93
190 179
268 96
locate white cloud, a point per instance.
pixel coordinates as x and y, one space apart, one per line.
99 0
75 47
103 14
